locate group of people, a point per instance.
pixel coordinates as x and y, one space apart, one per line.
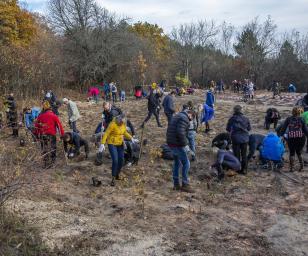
109 92
247 87
118 133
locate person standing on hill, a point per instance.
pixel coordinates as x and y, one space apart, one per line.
114 91
177 140
239 126
193 128
296 132
11 114
305 117
73 114
54 103
114 137
168 105
153 108
210 99
46 126
110 112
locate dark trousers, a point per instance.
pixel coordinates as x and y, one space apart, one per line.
156 114
240 151
117 156
73 126
269 121
169 117
296 145
114 97
49 149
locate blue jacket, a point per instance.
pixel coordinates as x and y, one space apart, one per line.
272 148
292 88
239 127
168 104
228 159
30 117
208 113
210 99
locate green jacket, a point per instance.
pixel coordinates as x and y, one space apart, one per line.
305 116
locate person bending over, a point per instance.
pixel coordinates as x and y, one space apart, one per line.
72 144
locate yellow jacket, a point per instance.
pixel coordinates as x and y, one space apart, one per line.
115 134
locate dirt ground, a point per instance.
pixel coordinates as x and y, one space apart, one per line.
262 213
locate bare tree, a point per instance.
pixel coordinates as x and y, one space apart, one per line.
226 37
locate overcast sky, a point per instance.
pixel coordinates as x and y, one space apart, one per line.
287 14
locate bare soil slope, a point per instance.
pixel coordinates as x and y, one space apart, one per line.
262 213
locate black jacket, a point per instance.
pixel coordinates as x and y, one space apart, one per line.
168 104
177 130
76 141
109 115
239 127
272 114
220 138
153 102
289 123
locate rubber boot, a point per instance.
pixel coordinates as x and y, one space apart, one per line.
112 184
292 163
301 163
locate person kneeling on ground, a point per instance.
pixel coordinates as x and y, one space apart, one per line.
75 142
221 140
272 149
226 160
177 133
272 117
114 137
255 142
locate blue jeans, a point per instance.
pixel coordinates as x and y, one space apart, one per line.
117 156
180 159
192 141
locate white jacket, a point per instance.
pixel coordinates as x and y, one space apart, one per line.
73 112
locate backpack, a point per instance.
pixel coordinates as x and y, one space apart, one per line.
295 128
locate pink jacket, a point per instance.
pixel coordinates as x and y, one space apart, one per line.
93 91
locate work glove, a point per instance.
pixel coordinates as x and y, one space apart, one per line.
135 140
101 148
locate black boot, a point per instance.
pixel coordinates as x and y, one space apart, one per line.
301 163
292 163
112 184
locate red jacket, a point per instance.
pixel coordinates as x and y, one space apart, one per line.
47 123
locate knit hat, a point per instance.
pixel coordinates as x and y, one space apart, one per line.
46 105
237 109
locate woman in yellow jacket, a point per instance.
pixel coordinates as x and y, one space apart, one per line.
114 137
